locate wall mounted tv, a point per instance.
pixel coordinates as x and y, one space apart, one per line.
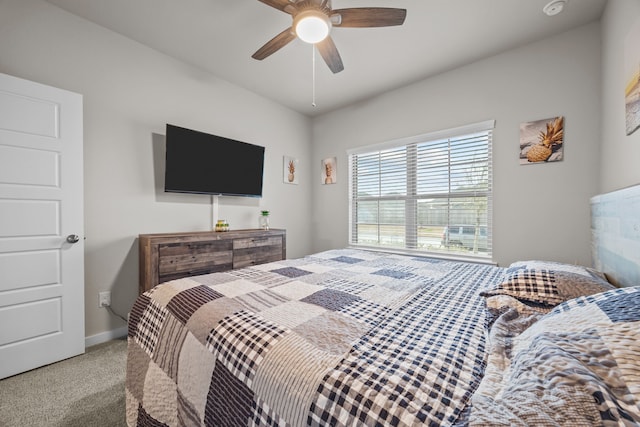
198 162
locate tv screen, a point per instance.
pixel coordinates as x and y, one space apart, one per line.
198 162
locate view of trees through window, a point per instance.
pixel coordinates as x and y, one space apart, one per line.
432 196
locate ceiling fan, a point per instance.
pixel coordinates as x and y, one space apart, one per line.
313 20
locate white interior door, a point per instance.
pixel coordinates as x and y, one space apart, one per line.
41 209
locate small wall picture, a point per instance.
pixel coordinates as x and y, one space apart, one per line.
542 141
328 170
290 171
632 78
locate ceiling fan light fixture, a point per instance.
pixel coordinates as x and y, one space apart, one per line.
312 26
312 23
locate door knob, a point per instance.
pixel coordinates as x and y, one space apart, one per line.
73 238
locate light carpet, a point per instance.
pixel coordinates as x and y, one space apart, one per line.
86 390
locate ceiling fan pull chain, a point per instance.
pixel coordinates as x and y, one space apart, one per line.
313 74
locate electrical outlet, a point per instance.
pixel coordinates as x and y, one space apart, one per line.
104 299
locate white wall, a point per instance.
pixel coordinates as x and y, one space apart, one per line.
130 92
541 210
620 154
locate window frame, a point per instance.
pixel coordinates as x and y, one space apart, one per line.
411 200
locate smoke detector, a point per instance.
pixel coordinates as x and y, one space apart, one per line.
554 7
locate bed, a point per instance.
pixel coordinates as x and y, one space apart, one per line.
350 337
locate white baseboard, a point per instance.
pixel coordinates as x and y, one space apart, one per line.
105 336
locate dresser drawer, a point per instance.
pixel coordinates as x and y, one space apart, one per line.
194 257
257 242
257 250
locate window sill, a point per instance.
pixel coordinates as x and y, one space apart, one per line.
437 255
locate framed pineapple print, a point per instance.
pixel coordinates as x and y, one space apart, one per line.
542 141
632 78
328 170
290 171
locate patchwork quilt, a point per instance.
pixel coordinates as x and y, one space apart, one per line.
577 365
341 338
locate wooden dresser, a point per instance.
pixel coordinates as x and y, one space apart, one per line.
169 256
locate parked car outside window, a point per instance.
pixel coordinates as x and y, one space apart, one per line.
464 236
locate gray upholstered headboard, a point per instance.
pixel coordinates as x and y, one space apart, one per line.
615 235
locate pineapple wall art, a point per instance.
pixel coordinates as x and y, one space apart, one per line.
542 141
632 77
328 170
290 171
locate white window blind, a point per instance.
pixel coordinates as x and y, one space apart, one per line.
430 193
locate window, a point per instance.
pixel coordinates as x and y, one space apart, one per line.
427 194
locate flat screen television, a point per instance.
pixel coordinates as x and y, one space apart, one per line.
198 162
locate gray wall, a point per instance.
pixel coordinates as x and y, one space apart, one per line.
541 210
130 92
619 153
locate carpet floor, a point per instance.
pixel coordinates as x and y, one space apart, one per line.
86 390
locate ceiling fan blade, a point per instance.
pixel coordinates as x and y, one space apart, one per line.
275 44
278 4
361 17
329 53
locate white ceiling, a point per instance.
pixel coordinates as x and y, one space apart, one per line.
438 35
